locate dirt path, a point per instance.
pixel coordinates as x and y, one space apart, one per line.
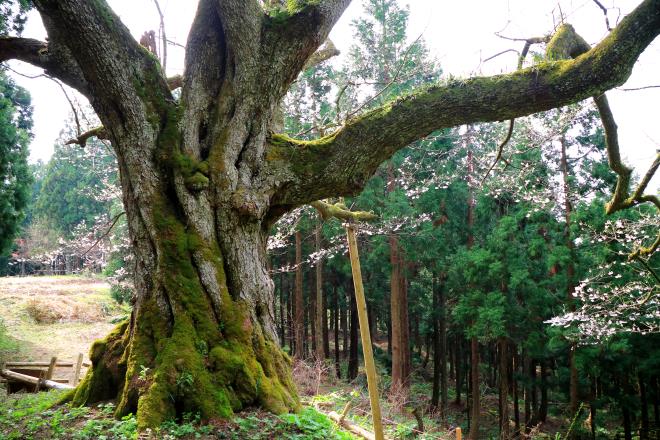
56 316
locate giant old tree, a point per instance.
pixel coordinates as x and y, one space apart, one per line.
205 176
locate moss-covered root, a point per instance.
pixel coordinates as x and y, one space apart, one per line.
106 376
179 372
214 381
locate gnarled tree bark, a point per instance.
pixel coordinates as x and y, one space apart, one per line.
203 178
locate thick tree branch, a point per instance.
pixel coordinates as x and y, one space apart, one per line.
58 64
567 43
241 20
342 162
98 132
341 211
115 66
294 33
325 52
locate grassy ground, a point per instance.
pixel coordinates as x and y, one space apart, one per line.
33 417
61 316
55 316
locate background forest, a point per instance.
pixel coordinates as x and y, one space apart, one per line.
501 298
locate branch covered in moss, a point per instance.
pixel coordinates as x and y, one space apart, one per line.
341 163
567 43
98 132
341 211
294 32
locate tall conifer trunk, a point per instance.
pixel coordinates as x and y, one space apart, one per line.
570 275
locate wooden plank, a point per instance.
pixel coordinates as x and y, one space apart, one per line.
51 368
56 385
355 429
37 364
24 378
20 377
76 370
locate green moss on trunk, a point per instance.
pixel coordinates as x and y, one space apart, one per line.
198 362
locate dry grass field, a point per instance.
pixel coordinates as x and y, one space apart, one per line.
56 316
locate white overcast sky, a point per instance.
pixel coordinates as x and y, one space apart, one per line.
459 34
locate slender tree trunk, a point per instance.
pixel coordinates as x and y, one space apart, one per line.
656 403
299 324
395 313
310 312
516 404
533 391
335 297
282 308
459 370
528 391
435 392
474 386
627 422
320 320
570 274
405 325
543 407
504 388
592 407
327 322
345 327
644 406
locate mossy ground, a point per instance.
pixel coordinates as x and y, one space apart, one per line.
37 416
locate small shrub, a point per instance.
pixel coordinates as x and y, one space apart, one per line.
311 424
121 293
44 311
41 313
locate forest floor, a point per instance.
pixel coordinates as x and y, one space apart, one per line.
61 316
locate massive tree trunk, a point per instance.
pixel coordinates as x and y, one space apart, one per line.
204 178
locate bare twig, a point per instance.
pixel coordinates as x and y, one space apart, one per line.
604 9
66 95
105 234
163 37
632 89
500 53
394 78
500 149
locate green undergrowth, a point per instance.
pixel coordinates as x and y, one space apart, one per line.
38 416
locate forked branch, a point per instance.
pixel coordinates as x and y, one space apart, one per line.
341 163
567 43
